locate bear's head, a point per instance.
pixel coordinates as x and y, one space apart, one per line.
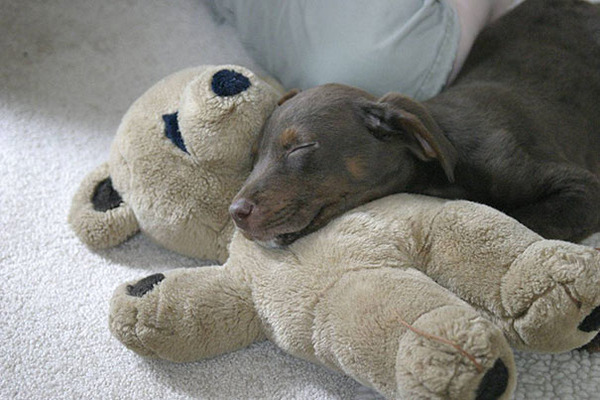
181 152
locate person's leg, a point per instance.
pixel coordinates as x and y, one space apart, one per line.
406 46
474 15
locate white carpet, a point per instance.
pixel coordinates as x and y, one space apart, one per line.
68 71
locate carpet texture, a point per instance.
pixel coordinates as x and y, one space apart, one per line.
68 71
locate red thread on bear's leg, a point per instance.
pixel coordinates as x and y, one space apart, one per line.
429 336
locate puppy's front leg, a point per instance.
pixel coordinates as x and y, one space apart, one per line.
569 207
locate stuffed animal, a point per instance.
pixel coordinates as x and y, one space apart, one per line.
180 154
414 296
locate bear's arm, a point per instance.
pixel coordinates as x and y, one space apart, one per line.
187 314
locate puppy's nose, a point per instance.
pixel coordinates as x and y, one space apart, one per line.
240 210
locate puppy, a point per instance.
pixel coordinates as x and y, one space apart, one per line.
519 130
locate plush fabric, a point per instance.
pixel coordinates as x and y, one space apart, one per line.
69 70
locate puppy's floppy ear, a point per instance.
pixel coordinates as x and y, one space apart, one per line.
395 117
288 95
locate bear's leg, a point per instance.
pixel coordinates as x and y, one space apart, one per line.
186 314
551 294
402 334
544 294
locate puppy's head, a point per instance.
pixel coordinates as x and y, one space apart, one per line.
329 149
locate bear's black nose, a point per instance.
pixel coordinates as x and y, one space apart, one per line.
227 82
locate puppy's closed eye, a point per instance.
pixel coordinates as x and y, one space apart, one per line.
302 149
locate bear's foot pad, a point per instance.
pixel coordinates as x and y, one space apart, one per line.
591 323
494 382
145 285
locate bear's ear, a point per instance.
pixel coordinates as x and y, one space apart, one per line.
98 215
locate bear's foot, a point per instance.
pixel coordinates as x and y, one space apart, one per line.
453 353
131 311
185 315
552 293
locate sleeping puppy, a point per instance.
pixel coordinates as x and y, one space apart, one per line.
518 130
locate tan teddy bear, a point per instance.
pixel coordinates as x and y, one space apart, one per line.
180 154
414 296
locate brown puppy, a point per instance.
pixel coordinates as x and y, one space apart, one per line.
518 130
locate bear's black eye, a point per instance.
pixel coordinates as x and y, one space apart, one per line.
172 130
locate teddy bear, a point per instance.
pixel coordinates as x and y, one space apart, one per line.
181 152
414 296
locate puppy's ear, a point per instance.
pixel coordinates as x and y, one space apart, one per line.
291 93
395 117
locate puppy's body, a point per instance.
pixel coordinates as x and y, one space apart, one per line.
524 116
519 130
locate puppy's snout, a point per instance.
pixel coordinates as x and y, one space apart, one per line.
240 210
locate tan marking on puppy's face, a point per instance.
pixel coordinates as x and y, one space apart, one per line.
356 166
288 137
291 93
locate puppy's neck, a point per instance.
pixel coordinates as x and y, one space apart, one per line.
429 179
